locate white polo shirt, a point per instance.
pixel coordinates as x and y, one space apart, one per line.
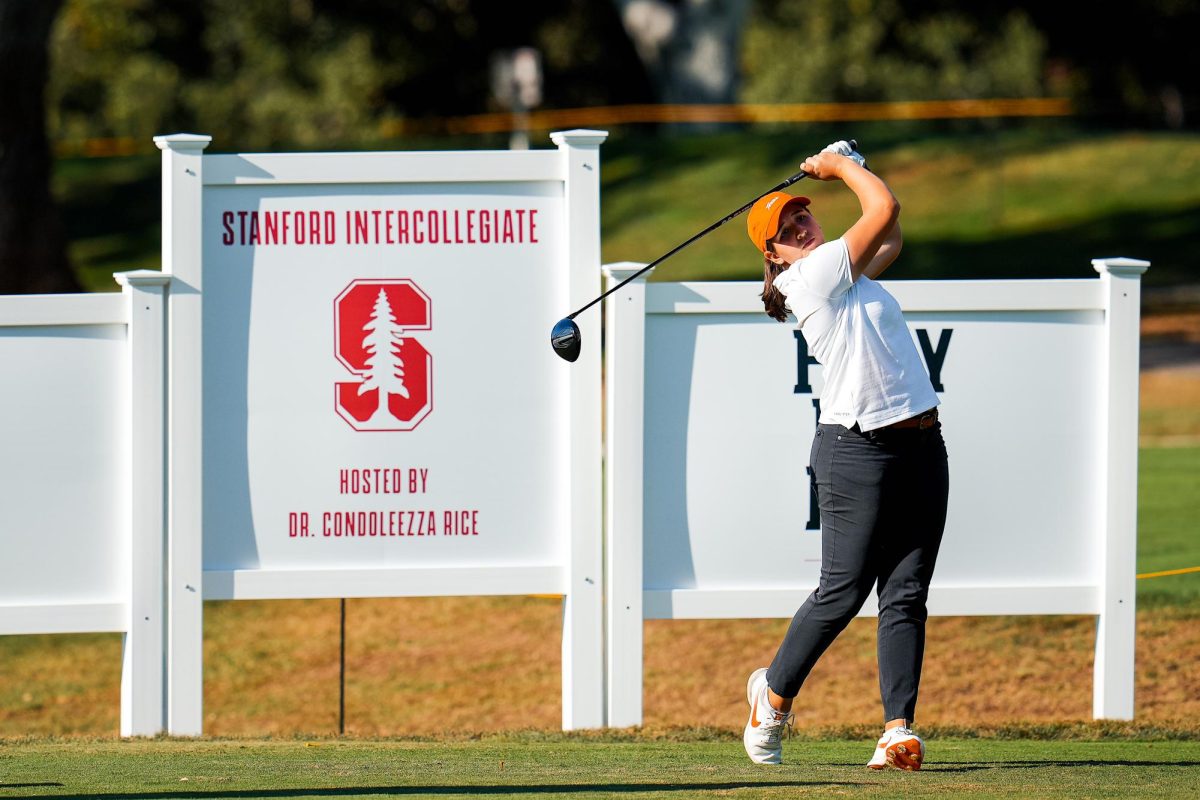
873 373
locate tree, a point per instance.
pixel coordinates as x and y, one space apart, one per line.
33 253
1140 66
799 51
689 47
385 367
318 73
114 70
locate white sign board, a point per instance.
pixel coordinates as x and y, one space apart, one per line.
364 401
712 410
377 391
730 416
64 432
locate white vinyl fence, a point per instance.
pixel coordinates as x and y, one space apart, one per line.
352 395
81 459
712 406
341 385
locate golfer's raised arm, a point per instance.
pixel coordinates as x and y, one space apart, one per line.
880 208
886 254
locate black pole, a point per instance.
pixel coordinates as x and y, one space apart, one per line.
342 673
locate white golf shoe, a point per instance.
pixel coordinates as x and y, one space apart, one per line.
764 729
899 748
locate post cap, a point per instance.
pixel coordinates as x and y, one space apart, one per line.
578 137
140 278
1120 265
183 142
623 269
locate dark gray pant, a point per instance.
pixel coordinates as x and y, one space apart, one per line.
882 497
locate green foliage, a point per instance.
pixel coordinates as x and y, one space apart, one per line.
314 73
280 76
270 73
801 51
104 79
321 72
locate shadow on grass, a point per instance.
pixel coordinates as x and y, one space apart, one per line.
977 766
484 789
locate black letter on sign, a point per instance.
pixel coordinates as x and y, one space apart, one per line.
934 358
814 507
803 360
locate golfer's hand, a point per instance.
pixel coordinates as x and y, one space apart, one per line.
825 166
843 148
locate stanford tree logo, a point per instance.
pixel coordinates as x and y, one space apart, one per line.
372 323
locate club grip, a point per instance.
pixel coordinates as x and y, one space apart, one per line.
801 175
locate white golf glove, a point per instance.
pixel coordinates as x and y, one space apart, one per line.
843 148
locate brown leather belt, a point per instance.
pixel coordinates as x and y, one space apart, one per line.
921 421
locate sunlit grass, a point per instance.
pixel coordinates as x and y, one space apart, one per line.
590 766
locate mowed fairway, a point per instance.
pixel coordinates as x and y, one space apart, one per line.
563 766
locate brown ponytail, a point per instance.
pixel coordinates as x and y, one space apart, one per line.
773 300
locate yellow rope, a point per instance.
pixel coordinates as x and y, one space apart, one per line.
604 116
1169 572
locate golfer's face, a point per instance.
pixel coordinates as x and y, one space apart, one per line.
799 234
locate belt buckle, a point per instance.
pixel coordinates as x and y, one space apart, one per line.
926 420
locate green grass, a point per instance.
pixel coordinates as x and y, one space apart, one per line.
572 767
1020 200
1169 523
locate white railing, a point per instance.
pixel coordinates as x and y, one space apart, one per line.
81 438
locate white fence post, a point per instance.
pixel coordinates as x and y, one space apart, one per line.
182 215
143 710
624 365
1113 680
583 609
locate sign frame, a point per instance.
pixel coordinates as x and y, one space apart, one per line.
187 173
1116 295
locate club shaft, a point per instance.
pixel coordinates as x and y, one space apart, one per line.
798 176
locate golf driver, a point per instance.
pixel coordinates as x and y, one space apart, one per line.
565 338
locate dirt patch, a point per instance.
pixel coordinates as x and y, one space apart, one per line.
1171 342
420 666
475 665
1180 325
978 671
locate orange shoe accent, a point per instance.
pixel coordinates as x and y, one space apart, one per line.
754 714
906 754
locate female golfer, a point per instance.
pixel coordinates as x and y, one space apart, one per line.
878 457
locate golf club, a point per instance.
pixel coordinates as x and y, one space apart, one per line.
565 337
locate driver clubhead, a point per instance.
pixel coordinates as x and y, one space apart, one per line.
565 339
